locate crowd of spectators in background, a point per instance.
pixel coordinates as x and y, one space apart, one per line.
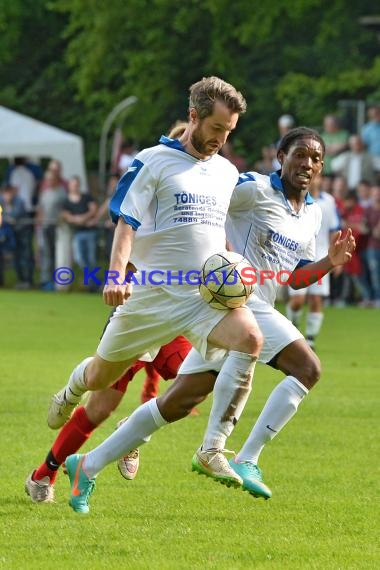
41 206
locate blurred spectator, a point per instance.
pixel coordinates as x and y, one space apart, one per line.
7 245
363 191
354 164
335 138
54 167
228 152
372 225
371 134
339 191
265 164
103 217
26 177
79 210
15 232
127 154
22 178
353 282
49 207
327 184
284 124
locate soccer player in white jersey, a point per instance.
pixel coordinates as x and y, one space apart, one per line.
273 221
317 292
171 206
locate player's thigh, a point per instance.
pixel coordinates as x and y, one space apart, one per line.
237 328
277 330
100 373
101 404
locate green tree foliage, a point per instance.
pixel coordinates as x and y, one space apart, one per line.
69 62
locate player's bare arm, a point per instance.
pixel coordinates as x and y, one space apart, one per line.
340 252
115 290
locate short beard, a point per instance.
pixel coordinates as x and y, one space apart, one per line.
197 143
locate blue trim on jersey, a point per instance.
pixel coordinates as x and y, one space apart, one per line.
172 143
302 263
276 183
244 177
340 227
122 188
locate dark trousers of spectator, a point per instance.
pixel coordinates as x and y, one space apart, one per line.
24 253
336 286
47 258
2 265
373 258
365 277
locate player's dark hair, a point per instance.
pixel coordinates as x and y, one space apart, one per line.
205 92
299 133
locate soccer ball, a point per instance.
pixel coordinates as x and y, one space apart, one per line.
222 284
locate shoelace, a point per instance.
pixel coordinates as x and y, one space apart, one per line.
42 490
215 450
218 454
132 455
253 469
89 490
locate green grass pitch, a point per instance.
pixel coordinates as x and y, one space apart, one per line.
323 468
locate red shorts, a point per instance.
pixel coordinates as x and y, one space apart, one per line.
166 363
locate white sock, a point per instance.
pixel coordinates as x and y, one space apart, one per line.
231 391
313 324
294 316
76 385
280 407
135 431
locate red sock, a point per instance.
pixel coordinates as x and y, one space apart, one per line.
150 387
71 437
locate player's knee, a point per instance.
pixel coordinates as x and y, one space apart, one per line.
173 409
311 371
251 342
98 378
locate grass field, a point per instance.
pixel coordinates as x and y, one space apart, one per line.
323 468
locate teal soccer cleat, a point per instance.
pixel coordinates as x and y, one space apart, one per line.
252 478
81 485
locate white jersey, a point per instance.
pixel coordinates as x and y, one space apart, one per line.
330 223
263 226
178 205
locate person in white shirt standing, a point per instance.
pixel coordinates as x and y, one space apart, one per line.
22 178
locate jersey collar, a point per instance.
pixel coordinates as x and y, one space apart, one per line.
276 183
172 143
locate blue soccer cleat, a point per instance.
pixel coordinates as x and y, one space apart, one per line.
81 485
252 478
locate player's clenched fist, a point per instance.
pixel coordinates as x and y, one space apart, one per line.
115 295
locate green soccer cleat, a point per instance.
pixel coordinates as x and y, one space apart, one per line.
81 485
252 478
212 463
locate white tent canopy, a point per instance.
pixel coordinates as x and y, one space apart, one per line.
23 136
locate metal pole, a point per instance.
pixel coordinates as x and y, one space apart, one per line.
104 135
